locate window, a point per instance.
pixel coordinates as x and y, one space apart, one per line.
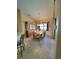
43 26
32 26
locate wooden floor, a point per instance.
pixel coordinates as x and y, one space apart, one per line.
39 50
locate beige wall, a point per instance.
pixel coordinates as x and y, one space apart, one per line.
19 24
58 42
58 33
50 32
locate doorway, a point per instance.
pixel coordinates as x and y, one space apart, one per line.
26 31
55 27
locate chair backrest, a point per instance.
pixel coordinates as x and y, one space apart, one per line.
22 39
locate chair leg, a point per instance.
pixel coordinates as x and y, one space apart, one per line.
23 48
21 52
18 50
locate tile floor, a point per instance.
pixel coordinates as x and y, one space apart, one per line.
39 50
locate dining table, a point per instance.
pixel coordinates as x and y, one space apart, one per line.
39 35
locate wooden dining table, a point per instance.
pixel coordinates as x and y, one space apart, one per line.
39 35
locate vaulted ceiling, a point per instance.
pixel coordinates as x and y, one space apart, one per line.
36 8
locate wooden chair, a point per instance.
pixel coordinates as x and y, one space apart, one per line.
20 45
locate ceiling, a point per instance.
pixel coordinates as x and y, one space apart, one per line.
36 8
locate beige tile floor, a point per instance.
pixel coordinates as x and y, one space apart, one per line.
39 50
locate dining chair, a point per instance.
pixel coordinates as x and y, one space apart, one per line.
20 45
